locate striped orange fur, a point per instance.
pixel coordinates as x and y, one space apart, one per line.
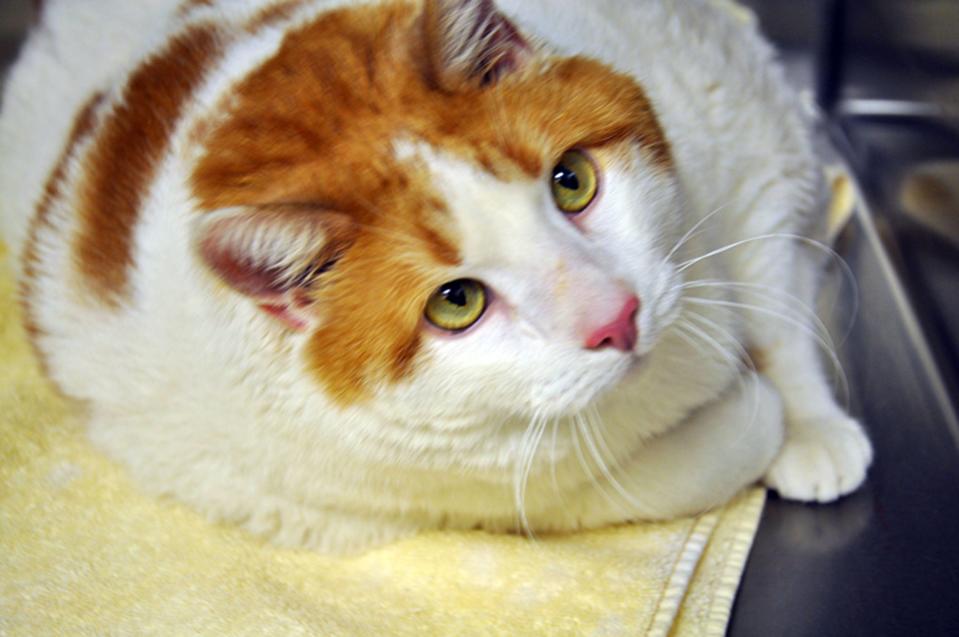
83 126
121 166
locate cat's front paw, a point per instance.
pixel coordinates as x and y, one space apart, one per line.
821 461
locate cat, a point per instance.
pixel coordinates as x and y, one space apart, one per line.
340 272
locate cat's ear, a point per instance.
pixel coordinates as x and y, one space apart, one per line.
274 254
470 44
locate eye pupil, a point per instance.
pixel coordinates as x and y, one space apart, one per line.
566 178
455 294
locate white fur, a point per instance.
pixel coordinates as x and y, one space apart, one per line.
203 397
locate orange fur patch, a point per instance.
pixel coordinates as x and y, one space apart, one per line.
280 10
83 125
755 360
123 161
314 124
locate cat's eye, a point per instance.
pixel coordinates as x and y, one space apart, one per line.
456 305
574 182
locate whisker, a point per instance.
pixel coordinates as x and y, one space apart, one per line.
709 283
530 444
818 245
518 495
597 417
744 354
730 359
691 231
604 469
726 356
552 461
824 343
733 341
786 300
778 296
578 448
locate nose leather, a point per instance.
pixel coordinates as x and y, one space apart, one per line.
620 333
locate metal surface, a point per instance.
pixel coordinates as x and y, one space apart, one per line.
15 18
884 561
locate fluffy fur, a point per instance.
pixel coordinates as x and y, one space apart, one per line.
230 213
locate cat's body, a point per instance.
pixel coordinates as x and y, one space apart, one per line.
228 236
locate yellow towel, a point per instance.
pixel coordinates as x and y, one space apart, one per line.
83 552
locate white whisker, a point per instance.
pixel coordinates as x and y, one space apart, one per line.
786 300
578 448
818 245
529 445
552 461
708 323
726 356
603 467
691 231
824 343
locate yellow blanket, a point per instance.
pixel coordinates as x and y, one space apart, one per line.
83 552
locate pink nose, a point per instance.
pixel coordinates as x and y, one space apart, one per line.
620 333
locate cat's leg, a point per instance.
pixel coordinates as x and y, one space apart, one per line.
703 462
826 453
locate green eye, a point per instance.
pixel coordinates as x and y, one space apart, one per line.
574 182
456 305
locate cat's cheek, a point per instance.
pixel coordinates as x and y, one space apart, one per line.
582 218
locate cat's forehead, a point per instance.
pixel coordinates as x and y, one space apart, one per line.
318 119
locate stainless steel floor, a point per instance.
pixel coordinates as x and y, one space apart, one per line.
884 561
15 18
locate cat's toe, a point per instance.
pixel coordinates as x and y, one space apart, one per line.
821 461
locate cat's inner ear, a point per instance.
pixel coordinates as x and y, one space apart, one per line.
470 44
275 254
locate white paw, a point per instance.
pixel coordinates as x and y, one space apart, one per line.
820 461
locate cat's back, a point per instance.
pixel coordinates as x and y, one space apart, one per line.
76 50
707 75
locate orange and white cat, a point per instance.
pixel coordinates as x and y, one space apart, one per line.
341 271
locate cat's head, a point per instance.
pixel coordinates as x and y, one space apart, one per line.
452 220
